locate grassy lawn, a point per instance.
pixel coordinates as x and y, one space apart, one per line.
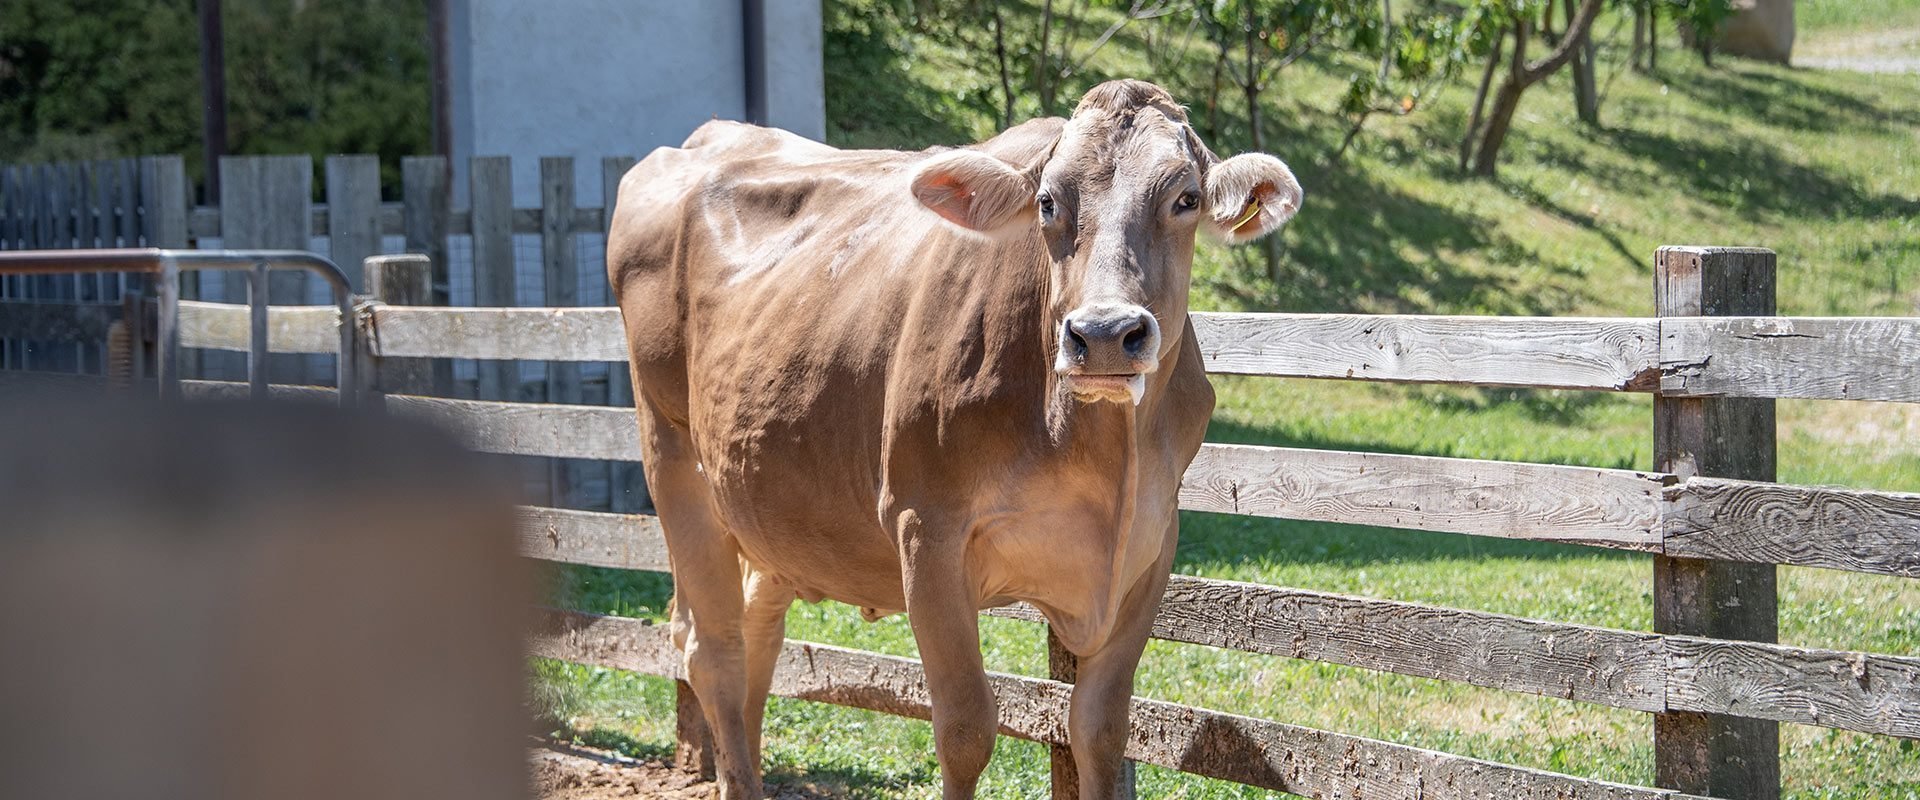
1824 167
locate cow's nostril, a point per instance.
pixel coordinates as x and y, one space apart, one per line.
1135 340
1077 346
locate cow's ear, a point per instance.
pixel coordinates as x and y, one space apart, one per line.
1249 196
974 191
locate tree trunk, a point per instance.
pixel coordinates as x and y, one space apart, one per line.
1480 100
1586 98
1219 76
1041 85
1653 37
1522 75
1252 85
1000 55
1505 103
1639 37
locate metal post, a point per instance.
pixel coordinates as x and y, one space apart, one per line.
258 300
345 369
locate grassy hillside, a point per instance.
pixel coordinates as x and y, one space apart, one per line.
1823 167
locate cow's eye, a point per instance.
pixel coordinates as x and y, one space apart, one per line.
1187 201
1046 206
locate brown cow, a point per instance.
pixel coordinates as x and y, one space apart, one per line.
842 395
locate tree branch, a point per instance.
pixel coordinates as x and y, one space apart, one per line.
1575 33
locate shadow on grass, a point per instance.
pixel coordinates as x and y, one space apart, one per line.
1789 99
1750 174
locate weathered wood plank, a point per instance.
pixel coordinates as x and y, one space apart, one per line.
490 181
561 280
425 190
1808 526
405 278
265 203
353 213
1599 507
1715 437
530 429
1830 688
543 334
51 321
290 329
1840 358
1623 669
617 541
1270 755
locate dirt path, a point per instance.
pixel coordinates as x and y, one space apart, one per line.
569 773
1875 51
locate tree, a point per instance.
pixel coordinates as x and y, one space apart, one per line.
1522 74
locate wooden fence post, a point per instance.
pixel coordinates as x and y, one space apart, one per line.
1062 666
490 205
266 202
426 214
626 483
1712 754
400 280
561 274
353 214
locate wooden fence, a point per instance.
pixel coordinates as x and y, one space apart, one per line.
269 202
1710 672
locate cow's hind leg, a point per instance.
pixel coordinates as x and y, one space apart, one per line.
708 602
766 630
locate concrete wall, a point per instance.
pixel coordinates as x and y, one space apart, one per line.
592 78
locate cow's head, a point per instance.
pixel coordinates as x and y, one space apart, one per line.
1117 200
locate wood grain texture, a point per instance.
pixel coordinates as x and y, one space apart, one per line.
1556 352
535 334
1808 526
1270 755
1839 358
1600 507
1830 688
529 429
290 329
1713 753
596 539
1623 669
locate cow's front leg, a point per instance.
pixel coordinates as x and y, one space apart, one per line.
1103 687
945 617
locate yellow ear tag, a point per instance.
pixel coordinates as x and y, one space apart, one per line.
1253 210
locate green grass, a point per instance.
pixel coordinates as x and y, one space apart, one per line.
1823 167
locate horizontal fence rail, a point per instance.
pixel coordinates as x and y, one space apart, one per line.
1700 356
1853 530
1270 755
1604 666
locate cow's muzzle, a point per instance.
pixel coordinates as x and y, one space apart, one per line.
1106 351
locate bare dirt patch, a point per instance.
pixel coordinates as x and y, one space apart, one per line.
571 773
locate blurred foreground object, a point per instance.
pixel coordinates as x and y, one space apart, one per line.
253 600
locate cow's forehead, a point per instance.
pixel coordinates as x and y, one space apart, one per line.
1102 145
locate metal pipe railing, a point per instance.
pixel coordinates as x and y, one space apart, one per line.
169 263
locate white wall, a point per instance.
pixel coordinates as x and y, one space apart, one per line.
593 78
